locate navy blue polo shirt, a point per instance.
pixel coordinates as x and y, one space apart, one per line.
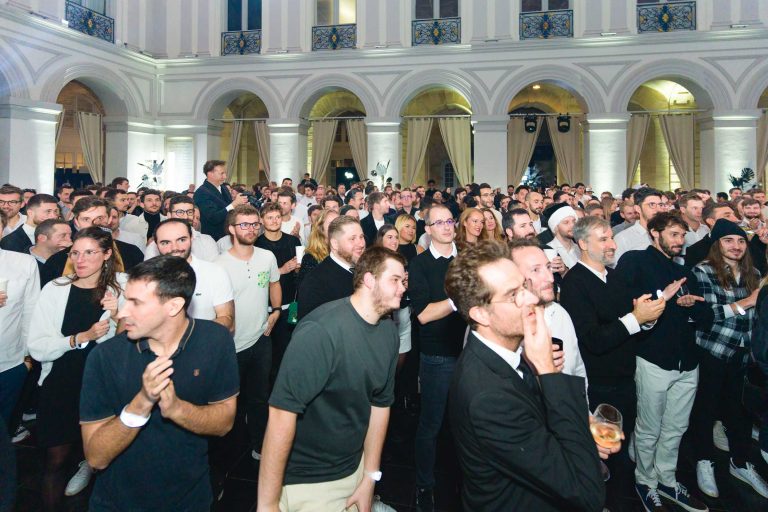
166 466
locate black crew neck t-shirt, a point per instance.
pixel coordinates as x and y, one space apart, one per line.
336 367
165 468
283 249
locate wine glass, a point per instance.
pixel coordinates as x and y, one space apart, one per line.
606 430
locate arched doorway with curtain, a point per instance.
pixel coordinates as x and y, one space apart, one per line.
245 140
761 167
663 136
80 137
545 139
437 139
337 140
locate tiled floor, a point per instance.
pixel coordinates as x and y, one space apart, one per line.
239 475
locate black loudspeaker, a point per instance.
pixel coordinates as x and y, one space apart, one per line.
530 124
563 124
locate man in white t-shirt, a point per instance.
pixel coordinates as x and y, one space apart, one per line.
256 279
214 297
204 246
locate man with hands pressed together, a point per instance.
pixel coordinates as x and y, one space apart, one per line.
521 427
168 377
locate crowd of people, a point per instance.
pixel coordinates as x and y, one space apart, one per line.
554 330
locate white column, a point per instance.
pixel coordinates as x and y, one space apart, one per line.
728 144
287 148
384 145
490 134
128 144
28 143
607 151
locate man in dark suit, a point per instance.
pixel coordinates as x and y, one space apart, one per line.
331 279
214 200
378 206
523 443
40 207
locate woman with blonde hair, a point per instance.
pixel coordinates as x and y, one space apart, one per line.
471 228
492 228
406 231
318 246
609 206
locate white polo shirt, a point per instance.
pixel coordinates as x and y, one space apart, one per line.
251 281
213 288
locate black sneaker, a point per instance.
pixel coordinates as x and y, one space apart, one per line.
650 498
679 495
425 499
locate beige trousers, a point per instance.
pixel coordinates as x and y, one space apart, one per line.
322 496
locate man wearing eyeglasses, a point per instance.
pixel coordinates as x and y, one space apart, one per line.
10 204
255 280
636 238
203 246
441 334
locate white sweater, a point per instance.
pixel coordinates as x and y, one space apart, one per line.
46 342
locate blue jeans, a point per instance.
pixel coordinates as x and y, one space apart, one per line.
11 382
435 373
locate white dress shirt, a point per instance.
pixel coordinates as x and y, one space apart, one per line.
8 229
634 238
511 357
561 326
569 256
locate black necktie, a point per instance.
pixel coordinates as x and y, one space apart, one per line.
528 378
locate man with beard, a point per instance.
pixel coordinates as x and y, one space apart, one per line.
729 285
518 225
256 282
151 202
710 214
203 246
331 279
40 207
628 214
535 203
536 269
753 216
561 222
647 202
604 326
213 298
329 409
10 204
667 362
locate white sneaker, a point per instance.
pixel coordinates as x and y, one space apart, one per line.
21 434
750 476
380 506
705 476
80 481
719 437
29 416
631 447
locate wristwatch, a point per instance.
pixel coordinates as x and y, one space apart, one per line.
375 475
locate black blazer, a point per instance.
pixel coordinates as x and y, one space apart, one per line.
521 450
604 342
18 241
326 282
213 209
369 228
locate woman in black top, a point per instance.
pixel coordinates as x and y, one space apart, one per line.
318 247
406 231
74 313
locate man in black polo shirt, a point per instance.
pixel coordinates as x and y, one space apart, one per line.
150 444
329 409
441 333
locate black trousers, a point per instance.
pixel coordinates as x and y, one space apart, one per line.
621 393
718 396
254 364
281 336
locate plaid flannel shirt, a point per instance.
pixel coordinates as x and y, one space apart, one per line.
730 334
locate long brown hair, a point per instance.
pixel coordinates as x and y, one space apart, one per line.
461 235
113 265
723 272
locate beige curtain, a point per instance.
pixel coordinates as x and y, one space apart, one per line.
567 148
358 144
679 136
323 136
762 148
457 137
520 146
234 148
636 133
419 131
262 142
92 143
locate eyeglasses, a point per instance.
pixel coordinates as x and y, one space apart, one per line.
653 206
245 226
440 223
179 213
516 295
12 202
88 253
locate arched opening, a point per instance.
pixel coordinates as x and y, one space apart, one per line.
336 140
659 106
79 136
556 114
243 118
423 114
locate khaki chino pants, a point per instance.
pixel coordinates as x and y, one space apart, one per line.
322 496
